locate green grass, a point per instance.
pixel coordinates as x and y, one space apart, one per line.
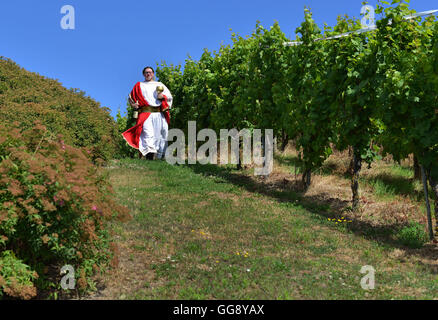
395 181
211 235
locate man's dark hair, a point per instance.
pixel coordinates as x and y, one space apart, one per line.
148 68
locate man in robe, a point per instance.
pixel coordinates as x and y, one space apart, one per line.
152 99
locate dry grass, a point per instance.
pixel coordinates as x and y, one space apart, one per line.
335 190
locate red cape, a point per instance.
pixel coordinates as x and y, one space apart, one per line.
132 135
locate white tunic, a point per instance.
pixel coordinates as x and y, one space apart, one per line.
153 138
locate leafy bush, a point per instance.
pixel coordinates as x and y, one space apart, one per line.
16 278
413 235
53 205
26 96
124 123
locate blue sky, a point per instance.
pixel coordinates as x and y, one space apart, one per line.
113 40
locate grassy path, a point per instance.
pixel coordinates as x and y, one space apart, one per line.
201 236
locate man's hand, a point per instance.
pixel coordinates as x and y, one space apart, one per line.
134 105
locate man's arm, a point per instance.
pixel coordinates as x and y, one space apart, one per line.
133 104
168 95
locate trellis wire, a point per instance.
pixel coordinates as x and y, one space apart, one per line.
415 15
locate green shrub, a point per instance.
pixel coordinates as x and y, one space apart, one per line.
124 123
53 204
16 278
413 235
26 96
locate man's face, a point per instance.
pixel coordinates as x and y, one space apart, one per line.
148 74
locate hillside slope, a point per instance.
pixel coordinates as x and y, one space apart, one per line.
209 232
26 96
